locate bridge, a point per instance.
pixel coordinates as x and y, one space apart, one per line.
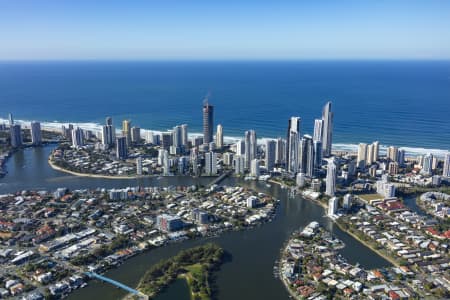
220 178
116 283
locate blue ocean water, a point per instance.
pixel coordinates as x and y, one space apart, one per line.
401 103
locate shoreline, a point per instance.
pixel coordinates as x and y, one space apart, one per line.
387 258
57 168
411 150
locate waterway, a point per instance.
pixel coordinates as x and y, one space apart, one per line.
248 274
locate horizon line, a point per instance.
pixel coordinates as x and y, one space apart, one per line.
374 59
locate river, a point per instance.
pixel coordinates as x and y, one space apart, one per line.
247 274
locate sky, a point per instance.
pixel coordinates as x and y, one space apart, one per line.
224 30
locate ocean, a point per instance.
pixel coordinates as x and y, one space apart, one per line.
403 103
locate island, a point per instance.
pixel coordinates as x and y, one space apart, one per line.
195 265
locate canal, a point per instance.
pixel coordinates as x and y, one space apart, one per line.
248 274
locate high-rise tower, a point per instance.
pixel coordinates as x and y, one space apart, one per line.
208 122
327 134
126 131
318 130
219 137
36 135
331 179
446 168
250 147
292 144
270 157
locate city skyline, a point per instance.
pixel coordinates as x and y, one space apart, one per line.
201 30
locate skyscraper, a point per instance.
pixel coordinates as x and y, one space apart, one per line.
11 120
240 147
166 163
427 167
121 148
333 206
446 168
211 163
254 168
77 137
270 154
166 140
184 136
292 144
108 133
239 164
15 133
331 179
392 153
208 122
317 157
135 134
376 150
139 165
36 135
370 155
250 147
307 156
177 136
126 131
401 157
280 152
318 130
362 156
327 133
219 137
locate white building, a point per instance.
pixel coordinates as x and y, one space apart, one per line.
250 147
384 188
318 130
254 168
219 137
227 158
331 179
333 206
240 147
165 163
77 137
239 164
139 166
446 169
362 156
427 167
300 179
211 163
347 203
252 201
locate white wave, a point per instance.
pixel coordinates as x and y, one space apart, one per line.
348 147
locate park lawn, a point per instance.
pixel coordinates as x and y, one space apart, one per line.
197 277
368 197
195 265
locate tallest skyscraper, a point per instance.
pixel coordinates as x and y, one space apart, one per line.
208 122
327 132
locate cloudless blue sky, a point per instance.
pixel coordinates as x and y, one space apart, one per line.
184 29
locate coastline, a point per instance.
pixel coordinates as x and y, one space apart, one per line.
352 146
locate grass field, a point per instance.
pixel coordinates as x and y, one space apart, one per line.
368 197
